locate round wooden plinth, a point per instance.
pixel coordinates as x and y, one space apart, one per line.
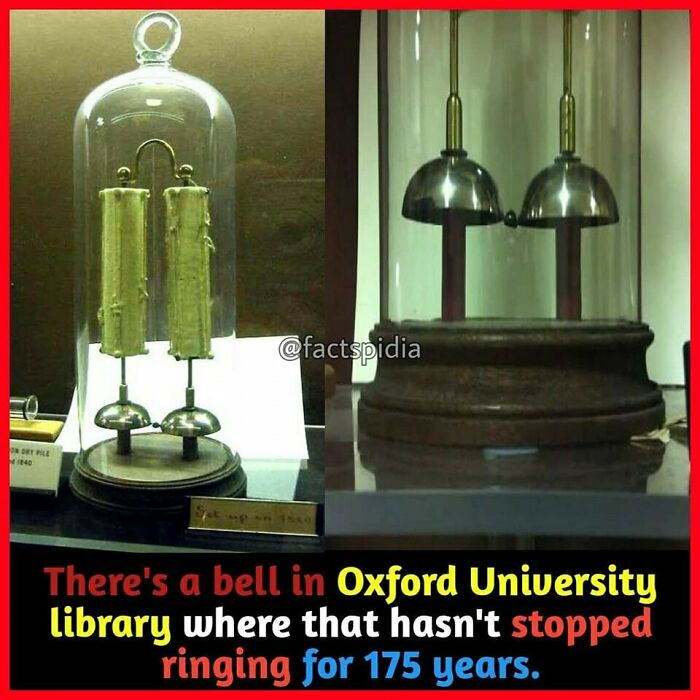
496 382
154 477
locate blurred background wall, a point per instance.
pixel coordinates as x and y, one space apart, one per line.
270 67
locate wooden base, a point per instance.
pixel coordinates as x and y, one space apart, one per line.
154 476
498 382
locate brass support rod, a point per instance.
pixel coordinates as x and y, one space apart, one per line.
190 446
567 50
454 104
123 388
189 392
454 52
123 436
567 106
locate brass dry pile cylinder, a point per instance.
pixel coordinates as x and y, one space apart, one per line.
124 293
188 246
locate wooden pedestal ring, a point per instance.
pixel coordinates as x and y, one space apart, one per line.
500 382
153 476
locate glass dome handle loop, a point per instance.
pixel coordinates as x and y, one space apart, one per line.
148 54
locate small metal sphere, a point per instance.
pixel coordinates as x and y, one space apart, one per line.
510 219
185 171
124 173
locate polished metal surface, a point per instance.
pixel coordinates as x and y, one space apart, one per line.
455 183
568 191
122 416
190 422
452 183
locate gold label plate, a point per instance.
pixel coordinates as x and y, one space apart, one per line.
250 515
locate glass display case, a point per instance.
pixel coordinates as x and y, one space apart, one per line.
509 228
154 158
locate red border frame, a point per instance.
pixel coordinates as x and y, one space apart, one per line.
9 5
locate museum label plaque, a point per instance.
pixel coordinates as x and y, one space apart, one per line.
249 515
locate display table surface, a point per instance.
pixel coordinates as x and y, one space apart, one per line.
411 495
68 522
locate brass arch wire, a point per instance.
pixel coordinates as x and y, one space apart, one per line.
183 172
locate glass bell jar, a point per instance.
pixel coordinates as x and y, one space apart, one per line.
154 159
510 225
